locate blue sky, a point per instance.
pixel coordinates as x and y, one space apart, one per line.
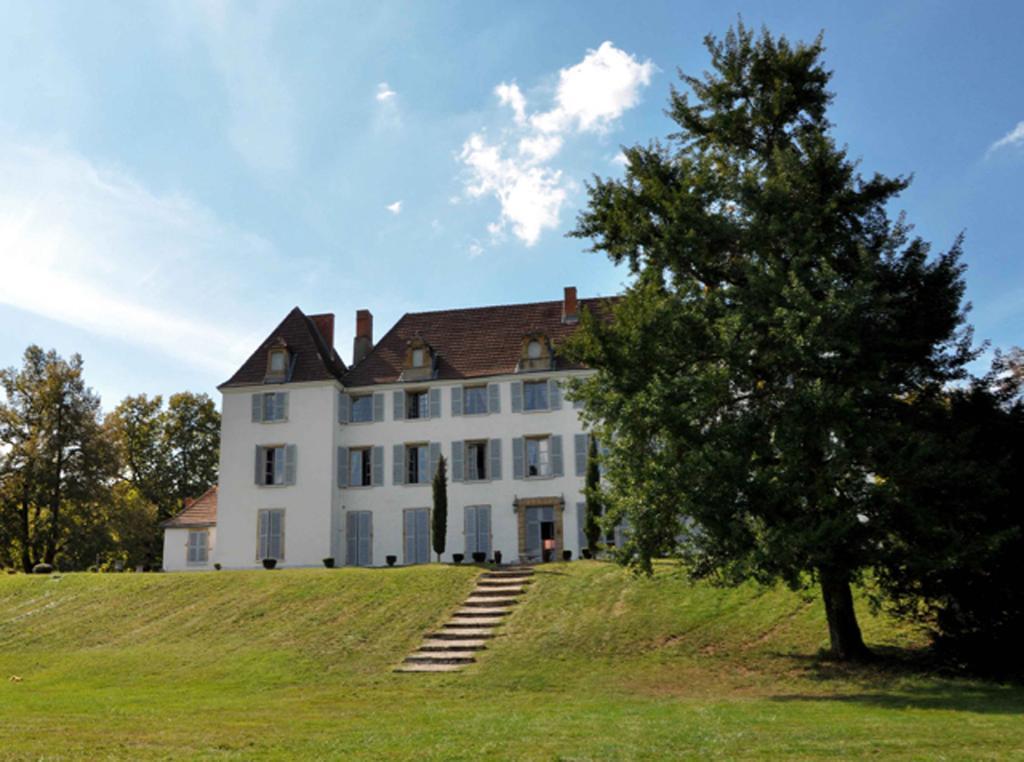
174 179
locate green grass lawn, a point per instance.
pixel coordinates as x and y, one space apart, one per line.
594 664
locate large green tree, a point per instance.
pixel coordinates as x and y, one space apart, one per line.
776 321
56 461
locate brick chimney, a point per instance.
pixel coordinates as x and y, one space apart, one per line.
325 324
363 342
570 307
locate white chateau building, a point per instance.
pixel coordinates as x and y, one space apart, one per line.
319 459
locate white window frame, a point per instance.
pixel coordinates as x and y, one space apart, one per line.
482 389
366 462
466 460
547 399
543 457
423 410
424 449
352 408
277 472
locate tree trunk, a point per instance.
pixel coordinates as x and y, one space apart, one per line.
24 528
843 630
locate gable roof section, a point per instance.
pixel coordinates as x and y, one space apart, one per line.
197 514
471 343
312 359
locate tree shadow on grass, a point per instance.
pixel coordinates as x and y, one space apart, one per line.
899 678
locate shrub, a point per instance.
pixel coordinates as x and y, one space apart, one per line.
329 563
216 567
42 569
586 553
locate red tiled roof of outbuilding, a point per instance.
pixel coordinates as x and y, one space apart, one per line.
201 512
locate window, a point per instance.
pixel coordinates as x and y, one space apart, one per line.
534 350
417 404
271 534
418 357
277 361
362 408
360 467
535 395
474 400
417 469
273 465
198 546
538 460
477 519
270 406
476 461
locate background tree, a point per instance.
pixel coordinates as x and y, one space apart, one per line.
439 516
56 462
592 492
776 323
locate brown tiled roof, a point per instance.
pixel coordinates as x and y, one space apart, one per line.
197 513
312 358
471 343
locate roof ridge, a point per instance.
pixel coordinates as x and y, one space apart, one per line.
501 306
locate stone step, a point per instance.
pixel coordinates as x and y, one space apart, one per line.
500 575
479 611
499 591
488 602
441 657
444 644
504 582
456 633
424 667
467 622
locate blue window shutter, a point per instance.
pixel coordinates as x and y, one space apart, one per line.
398 464
352 538
580 443
556 456
494 456
435 456
456 400
469 529
517 396
581 523
263 535
366 538
398 400
422 535
258 474
409 535
457 460
342 466
281 406
493 398
344 408
378 406
483 529
554 395
290 463
377 467
517 458
435 402
257 408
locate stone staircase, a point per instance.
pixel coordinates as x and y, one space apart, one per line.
457 642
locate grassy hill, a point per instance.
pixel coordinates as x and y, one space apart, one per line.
594 664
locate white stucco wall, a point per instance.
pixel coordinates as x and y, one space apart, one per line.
176 550
310 532
311 428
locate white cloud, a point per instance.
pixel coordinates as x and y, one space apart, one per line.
510 95
384 93
595 92
516 169
619 159
395 208
90 247
475 249
1014 138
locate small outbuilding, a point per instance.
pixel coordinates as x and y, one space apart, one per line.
189 537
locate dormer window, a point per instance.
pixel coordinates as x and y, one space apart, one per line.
278 358
535 353
278 361
419 361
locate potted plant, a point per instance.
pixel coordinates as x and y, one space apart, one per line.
457 557
328 563
269 563
216 567
567 555
497 557
479 557
391 560
586 553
